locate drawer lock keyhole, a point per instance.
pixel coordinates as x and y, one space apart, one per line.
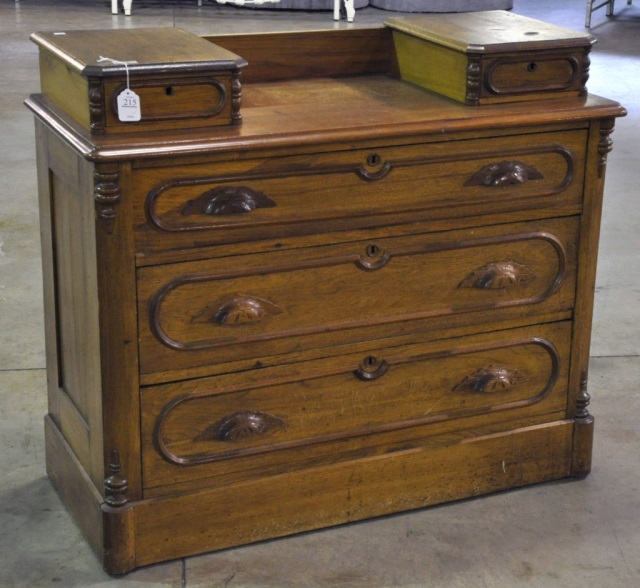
169 90
532 67
372 250
373 160
371 368
374 257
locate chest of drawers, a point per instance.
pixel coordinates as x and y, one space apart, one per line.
365 299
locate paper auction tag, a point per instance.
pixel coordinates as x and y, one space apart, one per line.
128 106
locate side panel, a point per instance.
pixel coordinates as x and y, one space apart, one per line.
71 301
65 88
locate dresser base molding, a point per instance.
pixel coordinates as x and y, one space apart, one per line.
155 530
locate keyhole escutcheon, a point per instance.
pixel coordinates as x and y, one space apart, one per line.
373 160
372 250
371 368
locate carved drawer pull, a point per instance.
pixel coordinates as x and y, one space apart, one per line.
504 173
371 368
237 309
241 425
227 200
490 379
374 258
499 275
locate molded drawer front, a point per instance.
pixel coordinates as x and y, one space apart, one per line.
190 102
280 416
234 201
219 310
531 73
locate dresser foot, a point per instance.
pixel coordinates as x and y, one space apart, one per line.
118 557
582 434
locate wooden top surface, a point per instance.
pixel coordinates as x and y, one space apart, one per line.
310 113
490 31
153 51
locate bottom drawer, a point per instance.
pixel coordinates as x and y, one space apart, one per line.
278 419
190 523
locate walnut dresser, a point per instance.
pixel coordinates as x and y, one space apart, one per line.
303 291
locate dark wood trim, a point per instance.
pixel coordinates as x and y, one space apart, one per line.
587 259
119 336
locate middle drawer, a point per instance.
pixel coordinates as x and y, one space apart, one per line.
197 315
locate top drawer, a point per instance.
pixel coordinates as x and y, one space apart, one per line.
234 201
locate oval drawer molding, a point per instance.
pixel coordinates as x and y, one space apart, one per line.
323 402
226 200
504 173
241 425
542 74
499 275
180 100
237 309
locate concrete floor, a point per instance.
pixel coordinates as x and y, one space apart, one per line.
568 534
